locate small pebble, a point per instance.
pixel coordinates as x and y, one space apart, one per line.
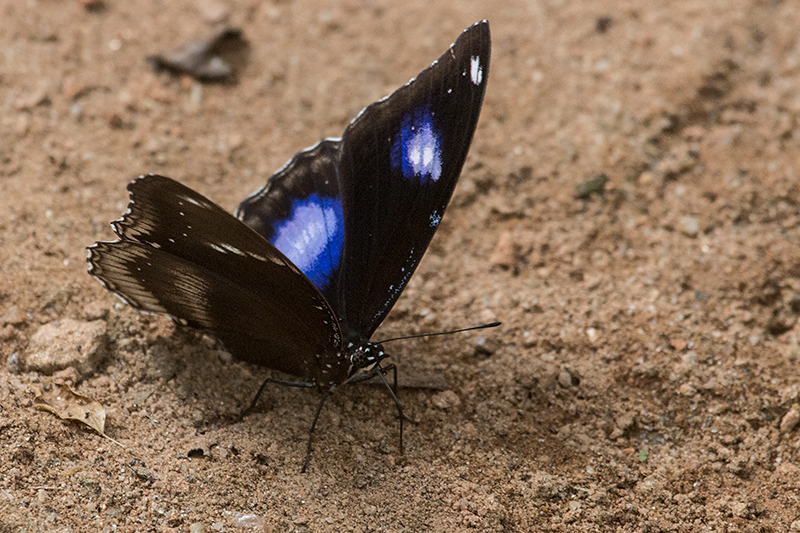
445 400
224 356
69 374
505 251
13 315
96 310
689 226
678 344
13 364
73 89
7 332
214 12
790 419
67 343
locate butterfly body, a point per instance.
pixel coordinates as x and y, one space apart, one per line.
310 265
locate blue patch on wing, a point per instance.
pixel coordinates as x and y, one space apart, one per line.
313 237
417 147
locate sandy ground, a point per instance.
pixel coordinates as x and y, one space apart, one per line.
646 371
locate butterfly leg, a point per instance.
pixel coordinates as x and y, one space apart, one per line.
380 373
300 384
311 431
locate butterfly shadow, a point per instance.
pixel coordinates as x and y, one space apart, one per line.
232 393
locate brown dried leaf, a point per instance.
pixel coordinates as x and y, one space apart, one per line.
212 58
62 401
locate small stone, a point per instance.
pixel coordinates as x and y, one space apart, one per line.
13 363
12 315
484 347
565 379
795 526
96 310
64 343
689 226
69 374
225 356
445 400
678 344
592 334
73 89
646 178
790 419
252 522
505 252
197 527
143 473
622 423
487 315
7 332
694 132
214 12
742 509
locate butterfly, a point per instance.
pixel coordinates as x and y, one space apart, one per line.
302 275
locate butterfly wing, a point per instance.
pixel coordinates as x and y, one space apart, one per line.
181 255
299 211
399 163
356 215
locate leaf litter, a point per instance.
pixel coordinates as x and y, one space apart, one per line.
61 400
213 58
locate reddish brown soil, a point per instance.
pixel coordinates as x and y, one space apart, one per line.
649 348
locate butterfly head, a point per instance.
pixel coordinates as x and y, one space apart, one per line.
366 355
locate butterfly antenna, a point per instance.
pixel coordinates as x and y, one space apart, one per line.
482 326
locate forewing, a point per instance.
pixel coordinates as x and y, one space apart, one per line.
299 211
400 160
181 255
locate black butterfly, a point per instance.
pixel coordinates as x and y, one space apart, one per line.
300 279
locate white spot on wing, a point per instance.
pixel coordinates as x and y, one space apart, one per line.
476 71
233 249
423 152
416 150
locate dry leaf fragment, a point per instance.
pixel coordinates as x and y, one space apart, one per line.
62 401
212 58
594 186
